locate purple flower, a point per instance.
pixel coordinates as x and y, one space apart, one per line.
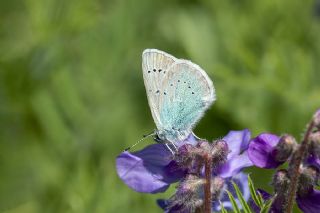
237 158
314 150
309 203
241 179
154 168
150 170
270 151
313 160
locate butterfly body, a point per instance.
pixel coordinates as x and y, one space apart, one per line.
178 92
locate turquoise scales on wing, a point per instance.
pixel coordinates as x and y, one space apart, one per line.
186 95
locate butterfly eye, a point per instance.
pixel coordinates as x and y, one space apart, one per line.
157 139
154 70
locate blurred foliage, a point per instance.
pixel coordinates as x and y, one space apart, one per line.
72 94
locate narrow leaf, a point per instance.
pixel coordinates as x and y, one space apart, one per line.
233 202
256 198
267 205
260 197
223 210
243 202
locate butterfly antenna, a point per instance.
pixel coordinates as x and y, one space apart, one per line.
143 138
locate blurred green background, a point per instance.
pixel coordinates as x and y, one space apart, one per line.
72 95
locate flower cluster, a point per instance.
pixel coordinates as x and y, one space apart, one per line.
204 172
270 151
154 168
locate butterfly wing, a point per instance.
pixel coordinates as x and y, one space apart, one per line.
155 64
187 94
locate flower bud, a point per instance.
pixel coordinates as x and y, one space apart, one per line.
284 148
188 157
219 152
188 195
316 118
217 184
314 147
183 155
205 146
281 181
193 158
309 177
191 183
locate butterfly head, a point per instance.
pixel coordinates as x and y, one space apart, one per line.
160 137
171 135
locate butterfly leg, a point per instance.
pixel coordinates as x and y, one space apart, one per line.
175 147
167 145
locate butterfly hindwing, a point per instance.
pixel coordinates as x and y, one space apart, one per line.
155 64
187 93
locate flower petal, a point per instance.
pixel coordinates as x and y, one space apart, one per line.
234 165
260 150
241 180
162 203
150 170
313 160
237 141
310 203
191 139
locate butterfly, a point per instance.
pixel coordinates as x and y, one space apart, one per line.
178 92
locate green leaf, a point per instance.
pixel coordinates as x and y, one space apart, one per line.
256 197
243 202
267 205
223 210
260 197
233 202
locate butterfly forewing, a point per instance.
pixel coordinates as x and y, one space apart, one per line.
155 64
188 92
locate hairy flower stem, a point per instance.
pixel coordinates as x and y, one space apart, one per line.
294 166
207 186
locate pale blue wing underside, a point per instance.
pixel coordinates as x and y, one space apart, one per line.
178 92
155 65
186 93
